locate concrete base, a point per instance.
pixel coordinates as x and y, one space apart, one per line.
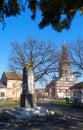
28 100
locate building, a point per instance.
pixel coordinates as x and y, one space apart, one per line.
50 88
13 83
3 92
40 94
76 91
61 86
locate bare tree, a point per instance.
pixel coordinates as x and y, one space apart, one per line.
76 54
43 56
77 75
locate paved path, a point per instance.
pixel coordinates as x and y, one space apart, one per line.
75 116
73 122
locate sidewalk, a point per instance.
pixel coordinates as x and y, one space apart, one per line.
74 120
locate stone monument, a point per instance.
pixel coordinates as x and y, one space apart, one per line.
28 90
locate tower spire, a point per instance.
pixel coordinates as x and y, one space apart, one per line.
64 42
64 64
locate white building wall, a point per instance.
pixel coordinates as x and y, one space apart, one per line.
63 87
14 89
3 90
74 93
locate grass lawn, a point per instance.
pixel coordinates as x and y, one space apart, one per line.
9 104
60 102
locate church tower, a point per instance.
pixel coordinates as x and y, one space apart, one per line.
61 86
64 64
65 81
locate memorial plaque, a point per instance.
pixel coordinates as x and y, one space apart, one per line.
30 81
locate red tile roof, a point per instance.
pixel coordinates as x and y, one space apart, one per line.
77 86
2 85
39 90
13 76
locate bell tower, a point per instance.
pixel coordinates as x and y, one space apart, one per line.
64 64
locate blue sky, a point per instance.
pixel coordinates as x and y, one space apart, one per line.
21 27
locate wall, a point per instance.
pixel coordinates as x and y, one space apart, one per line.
3 90
14 89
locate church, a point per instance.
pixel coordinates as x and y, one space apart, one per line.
60 87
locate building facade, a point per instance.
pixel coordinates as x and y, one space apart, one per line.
3 91
50 88
61 85
13 83
76 92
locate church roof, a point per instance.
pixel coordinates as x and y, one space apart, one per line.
13 76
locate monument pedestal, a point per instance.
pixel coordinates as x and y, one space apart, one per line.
22 100
28 100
